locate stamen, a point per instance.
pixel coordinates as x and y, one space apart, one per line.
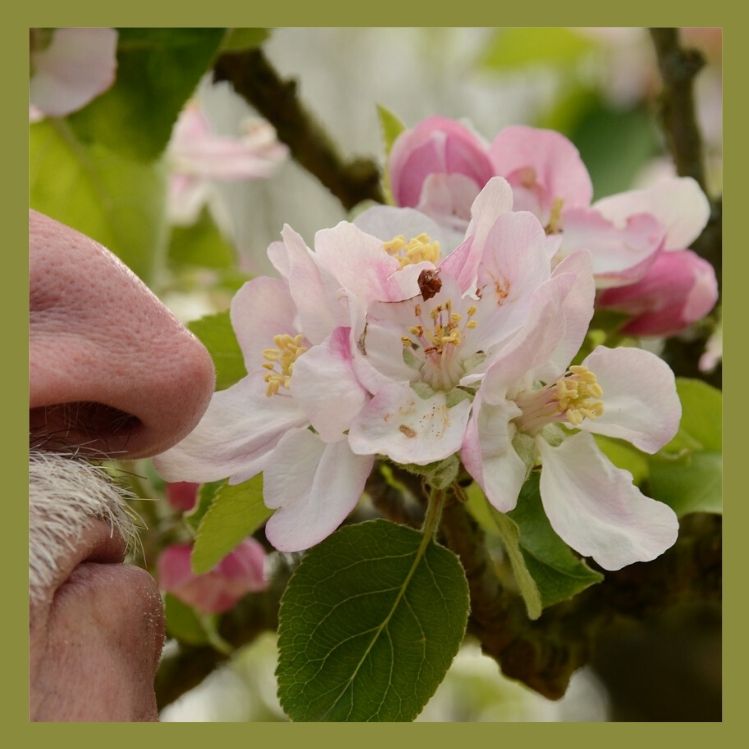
555 219
418 249
289 349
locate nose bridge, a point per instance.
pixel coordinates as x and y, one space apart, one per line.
99 336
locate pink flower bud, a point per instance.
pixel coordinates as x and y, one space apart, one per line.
678 289
437 146
214 592
182 495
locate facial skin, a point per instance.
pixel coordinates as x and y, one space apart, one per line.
112 373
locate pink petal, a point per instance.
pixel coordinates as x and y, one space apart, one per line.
678 289
325 387
319 306
260 310
621 251
640 403
492 202
489 456
359 263
237 432
448 197
678 203
314 485
409 429
542 166
77 66
597 510
436 145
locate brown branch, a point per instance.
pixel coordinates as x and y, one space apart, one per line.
544 654
256 80
678 69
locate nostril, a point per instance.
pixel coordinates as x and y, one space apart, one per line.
82 426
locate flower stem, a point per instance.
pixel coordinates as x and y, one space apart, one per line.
433 515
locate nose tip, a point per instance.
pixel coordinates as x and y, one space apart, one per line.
111 369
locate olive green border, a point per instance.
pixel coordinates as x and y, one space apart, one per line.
14 298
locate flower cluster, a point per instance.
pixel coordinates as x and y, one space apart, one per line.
638 240
400 336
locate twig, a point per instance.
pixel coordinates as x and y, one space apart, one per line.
544 654
256 80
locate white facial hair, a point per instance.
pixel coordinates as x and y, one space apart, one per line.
64 494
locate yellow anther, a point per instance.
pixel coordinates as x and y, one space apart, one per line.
289 349
455 317
418 249
417 310
416 330
471 324
471 311
578 394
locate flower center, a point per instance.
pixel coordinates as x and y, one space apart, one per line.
279 361
415 250
574 397
438 335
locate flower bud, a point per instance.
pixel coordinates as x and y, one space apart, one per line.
438 146
182 495
678 289
240 572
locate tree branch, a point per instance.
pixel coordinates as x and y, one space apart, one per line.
544 654
256 80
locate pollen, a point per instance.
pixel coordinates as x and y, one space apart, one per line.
579 394
415 250
279 361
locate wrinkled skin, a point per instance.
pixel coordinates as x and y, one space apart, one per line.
99 336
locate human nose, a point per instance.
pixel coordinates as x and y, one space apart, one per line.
111 369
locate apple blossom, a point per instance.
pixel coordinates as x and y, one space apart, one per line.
75 67
530 401
295 336
240 572
197 156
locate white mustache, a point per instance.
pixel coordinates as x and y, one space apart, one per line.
64 494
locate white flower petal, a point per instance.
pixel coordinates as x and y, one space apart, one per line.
489 456
241 425
677 202
597 510
640 403
325 387
387 221
409 429
78 65
260 310
314 485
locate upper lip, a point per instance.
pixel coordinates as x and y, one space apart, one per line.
98 542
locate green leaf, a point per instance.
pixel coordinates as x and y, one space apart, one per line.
369 624
114 200
182 623
692 483
701 418
206 495
558 573
217 335
236 512
515 49
157 72
200 244
390 127
239 40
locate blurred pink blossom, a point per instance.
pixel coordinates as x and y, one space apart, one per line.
198 155
75 67
239 573
182 495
